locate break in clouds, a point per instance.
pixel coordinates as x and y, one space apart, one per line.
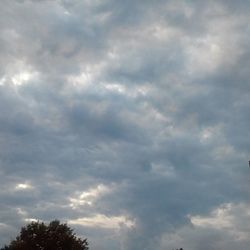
127 119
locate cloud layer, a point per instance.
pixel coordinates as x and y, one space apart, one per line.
127 119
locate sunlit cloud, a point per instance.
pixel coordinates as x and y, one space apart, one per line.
21 78
2 81
89 196
226 217
21 212
23 186
28 220
103 221
220 218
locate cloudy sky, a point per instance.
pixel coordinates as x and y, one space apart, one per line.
128 119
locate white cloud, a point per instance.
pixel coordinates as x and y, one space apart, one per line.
103 221
21 78
89 196
229 217
28 220
23 186
21 211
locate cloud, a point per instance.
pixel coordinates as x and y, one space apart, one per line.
102 221
128 119
223 228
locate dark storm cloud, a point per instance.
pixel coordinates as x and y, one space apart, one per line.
129 119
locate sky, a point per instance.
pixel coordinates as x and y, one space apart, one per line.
129 120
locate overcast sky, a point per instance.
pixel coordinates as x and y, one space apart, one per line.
128 119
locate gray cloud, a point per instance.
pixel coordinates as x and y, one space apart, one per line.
127 119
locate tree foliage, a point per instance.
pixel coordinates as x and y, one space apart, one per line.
54 236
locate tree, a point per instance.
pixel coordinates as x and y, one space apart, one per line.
54 236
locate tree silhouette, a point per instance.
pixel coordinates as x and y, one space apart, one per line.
54 236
